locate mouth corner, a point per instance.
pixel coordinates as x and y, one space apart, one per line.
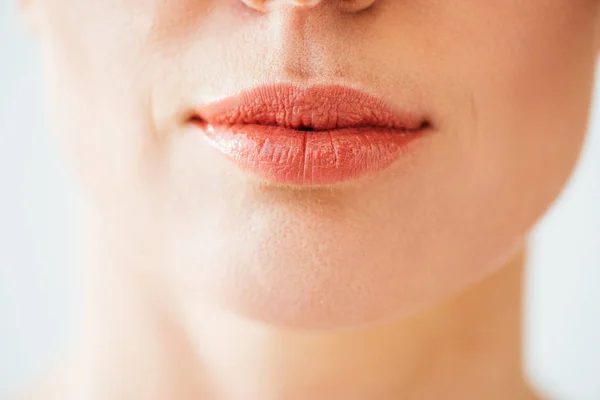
194 118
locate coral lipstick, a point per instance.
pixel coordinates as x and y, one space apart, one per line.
313 136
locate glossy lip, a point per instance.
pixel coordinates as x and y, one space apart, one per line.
315 136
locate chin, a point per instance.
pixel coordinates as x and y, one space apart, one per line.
319 275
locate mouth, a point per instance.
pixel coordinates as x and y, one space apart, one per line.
316 136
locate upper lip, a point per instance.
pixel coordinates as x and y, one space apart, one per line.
315 108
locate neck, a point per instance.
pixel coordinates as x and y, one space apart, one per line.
138 343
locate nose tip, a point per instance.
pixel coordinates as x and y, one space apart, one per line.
261 5
305 3
344 5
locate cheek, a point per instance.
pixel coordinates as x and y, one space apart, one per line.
107 148
98 105
531 94
103 63
527 91
517 115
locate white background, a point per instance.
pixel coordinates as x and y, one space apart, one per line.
38 237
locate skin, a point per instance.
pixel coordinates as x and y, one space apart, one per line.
180 235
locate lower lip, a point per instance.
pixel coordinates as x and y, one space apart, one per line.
310 158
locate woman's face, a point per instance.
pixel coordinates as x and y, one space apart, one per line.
504 84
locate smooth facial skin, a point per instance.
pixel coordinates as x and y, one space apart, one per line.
505 83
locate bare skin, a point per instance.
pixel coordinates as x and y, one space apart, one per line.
137 345
203 279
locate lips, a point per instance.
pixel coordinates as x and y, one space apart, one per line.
313 136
